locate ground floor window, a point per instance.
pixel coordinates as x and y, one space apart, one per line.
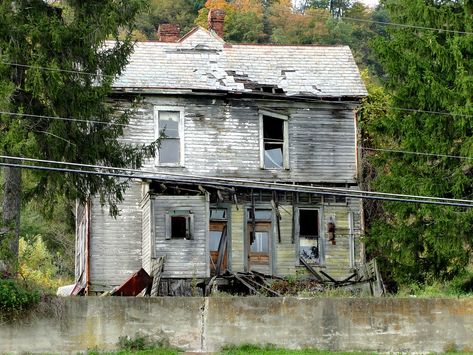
179 224
308 227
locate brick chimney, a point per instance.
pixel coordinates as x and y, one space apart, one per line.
168 32
216 21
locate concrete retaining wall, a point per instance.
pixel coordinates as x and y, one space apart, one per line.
198 324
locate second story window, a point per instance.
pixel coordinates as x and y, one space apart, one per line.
169 120
273 141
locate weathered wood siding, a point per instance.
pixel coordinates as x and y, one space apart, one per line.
222 138
237 221
338 262
184 258
82 226
115 243
285 258
146 242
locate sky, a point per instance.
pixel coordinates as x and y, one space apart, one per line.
370 2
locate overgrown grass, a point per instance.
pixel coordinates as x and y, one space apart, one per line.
272 350
460 286
162 351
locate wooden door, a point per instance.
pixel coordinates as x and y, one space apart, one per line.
259 245
217 231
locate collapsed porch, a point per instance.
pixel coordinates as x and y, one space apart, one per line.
204 229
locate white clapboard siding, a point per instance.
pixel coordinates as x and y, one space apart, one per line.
184 258
115 243
222 138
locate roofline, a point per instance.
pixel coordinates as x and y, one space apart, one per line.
221 93
230 45
195 29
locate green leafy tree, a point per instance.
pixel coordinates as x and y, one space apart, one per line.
180 12
53 63
429 71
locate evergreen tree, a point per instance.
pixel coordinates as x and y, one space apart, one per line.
53 63
427 70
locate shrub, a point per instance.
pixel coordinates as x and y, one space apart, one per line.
15 299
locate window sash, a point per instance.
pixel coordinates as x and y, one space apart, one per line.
171 120
265 158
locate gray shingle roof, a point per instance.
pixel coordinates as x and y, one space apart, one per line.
201 60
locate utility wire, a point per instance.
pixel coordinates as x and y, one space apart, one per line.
324 145
60 118
25 115
406 26
55 69
418 153
267 186
196 179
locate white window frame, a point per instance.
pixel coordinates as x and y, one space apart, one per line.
285 152
157 131
181 212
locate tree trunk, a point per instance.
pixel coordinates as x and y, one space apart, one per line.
11 217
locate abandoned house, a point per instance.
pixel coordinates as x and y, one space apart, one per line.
253 133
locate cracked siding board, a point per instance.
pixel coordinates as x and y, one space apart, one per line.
184 258
115 243
321 139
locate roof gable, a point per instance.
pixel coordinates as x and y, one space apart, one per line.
201 37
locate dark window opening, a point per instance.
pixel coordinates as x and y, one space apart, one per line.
179 227
273 140
309 223
179 224
309 232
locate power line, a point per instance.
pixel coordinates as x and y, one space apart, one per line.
213 181
23 115
55 69
407 26
429 112
324 145
315 99
61 118
417 153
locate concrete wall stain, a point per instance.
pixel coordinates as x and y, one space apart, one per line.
207 324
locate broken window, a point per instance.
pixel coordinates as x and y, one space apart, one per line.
273 141
179 224
169 122
308 226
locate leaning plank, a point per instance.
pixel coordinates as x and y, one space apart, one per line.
134 284
222 249
311 269
244 282
261 285
157 271
328 277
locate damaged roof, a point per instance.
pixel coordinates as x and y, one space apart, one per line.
203 61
